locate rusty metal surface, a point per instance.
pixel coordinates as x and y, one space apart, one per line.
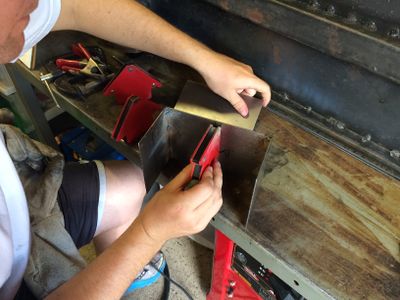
328 215
168 145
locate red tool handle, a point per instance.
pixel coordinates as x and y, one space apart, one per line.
206 152
80 50
69 63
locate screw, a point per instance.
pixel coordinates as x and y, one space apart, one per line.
394 32
308 109
112 91
371 26
130 69
395 154
331 10
366 138
232 283
153 84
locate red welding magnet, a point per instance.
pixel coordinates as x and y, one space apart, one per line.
206 152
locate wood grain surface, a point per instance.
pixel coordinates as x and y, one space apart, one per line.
327 214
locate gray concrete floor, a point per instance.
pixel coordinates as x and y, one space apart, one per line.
189 264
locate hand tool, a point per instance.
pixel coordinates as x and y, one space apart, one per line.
49 76
88 66
132 87
205 154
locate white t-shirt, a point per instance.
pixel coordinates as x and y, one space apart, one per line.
14 216
14 226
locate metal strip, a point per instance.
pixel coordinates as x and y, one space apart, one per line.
29 100
328 35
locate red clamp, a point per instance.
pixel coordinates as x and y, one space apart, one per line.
132 87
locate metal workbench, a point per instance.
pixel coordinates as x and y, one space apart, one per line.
324 222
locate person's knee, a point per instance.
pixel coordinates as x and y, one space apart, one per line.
124 192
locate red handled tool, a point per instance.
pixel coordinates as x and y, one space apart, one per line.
88 66
205 154
132 87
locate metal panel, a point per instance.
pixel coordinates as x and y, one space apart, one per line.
168 145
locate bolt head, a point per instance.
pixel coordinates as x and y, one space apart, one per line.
340 125
371 26
285 97
366 138
314 4
395 154
394 32
330 10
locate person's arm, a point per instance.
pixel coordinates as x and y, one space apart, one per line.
173 212
130 24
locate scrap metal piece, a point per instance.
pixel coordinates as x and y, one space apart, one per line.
168 145
198 100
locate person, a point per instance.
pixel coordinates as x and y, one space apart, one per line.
48 210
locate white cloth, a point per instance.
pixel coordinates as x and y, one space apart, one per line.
14 227
42 20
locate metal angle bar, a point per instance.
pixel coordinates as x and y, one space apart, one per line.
338 40
29 100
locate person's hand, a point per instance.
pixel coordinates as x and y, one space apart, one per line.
175 212
229 78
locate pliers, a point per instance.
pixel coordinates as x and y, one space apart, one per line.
88 66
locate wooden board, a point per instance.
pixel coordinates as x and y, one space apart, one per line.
331 217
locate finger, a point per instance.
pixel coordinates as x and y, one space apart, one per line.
218 178
261 86
217 188
203 190
209 209
179 182
249 92
238 103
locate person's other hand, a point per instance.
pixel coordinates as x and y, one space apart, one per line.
229 78
175 212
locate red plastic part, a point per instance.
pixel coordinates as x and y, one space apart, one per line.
226 283
62 63
210 153
136 117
